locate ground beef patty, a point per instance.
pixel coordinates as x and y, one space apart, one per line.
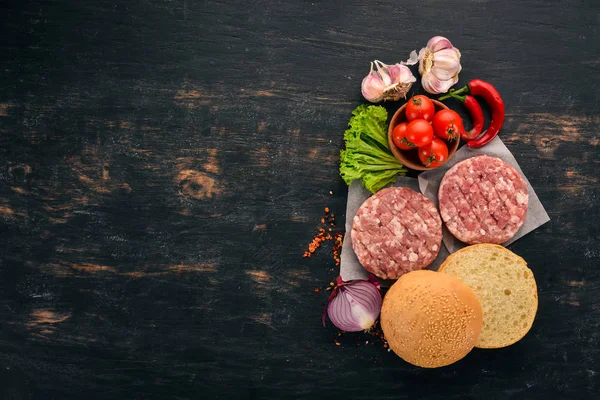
483 200
396 231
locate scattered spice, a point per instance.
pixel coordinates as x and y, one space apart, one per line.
330 192
316 242
337 247
325 233
378 333
375 335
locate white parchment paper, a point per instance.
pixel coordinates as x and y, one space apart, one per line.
428 183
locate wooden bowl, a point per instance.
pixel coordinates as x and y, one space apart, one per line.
410 158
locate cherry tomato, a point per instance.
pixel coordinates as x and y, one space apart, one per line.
435 154
447 124
420 107
399 137
419 132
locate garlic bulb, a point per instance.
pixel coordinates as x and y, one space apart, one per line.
388 82
439 65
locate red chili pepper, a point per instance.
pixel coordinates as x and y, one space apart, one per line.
477 87
474 108
476 115
492 97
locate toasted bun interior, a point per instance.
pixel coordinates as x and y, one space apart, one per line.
505 287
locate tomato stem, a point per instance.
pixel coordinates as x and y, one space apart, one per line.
406 142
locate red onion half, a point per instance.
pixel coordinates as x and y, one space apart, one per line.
355 305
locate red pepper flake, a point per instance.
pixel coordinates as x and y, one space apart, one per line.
332 284
325 233
317 290
337 247
336 342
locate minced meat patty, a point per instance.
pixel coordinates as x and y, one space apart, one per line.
483 200
396 231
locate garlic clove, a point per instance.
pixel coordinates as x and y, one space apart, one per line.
382 70
372 87
446 64
444 73
447 55
438 43
388 82
434 85
403 80
401 73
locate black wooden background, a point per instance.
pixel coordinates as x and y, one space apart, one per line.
164 164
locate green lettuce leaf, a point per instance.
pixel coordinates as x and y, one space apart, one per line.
367 155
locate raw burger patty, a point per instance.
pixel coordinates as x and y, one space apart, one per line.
396 231
483 200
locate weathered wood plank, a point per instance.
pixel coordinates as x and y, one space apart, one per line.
163 165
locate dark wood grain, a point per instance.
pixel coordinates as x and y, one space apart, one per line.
163 165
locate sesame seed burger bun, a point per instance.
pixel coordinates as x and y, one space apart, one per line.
431 319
